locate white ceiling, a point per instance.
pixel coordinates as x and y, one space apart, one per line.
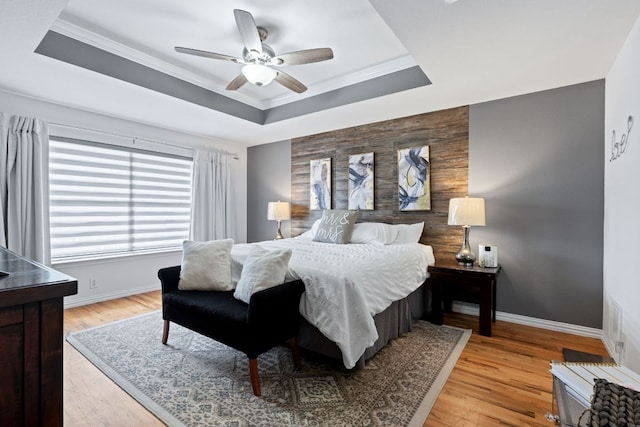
293 25
471 50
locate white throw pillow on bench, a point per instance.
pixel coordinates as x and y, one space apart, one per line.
206 266
263 269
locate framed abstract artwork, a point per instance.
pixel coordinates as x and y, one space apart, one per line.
414 189
320 184
361 181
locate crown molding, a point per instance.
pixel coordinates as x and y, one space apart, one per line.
96 40
397 64
84 35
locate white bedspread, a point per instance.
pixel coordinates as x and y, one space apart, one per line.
346 285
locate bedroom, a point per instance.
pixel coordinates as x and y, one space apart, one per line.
606 98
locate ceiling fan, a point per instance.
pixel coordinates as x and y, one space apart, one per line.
260 60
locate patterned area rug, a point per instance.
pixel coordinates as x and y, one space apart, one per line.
195 381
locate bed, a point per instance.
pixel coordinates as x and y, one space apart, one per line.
358 295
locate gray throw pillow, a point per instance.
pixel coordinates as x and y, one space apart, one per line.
336 226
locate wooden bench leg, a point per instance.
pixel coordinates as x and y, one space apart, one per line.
165 333
255 378
293 343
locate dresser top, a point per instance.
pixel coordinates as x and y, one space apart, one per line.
27 276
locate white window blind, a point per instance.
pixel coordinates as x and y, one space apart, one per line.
110 200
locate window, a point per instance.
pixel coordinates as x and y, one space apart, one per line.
109 200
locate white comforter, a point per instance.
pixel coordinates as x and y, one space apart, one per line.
346 285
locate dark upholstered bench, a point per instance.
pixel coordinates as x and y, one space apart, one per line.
271 317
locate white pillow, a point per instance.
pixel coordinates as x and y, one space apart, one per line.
374 232
263 269
408 233
206 266
311 233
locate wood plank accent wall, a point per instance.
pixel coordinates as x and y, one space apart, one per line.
447 135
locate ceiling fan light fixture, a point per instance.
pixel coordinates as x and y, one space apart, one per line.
259 75
259 57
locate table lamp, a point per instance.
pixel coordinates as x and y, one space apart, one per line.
467 212
278 211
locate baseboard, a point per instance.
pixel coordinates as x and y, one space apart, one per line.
472 309
72 301
611 350
457 307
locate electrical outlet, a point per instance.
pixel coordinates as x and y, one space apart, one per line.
92 284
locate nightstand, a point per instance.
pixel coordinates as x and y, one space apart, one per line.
474 284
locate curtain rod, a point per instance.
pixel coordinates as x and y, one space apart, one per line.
134 138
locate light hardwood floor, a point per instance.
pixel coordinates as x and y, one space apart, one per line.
498 380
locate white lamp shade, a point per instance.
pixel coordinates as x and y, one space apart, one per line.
278 211
466 211
259 75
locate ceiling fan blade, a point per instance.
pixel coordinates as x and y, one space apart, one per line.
237 83
303 56
206 54
289 82
248 30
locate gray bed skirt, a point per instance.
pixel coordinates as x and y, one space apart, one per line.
397 319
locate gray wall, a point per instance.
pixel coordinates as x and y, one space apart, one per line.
268 180
537 161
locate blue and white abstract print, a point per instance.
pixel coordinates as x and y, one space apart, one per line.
414 193
320 184
361 181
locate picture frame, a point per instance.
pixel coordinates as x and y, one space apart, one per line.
361 182
320 184
414 179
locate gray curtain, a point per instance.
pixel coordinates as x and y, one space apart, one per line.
211 197
24 187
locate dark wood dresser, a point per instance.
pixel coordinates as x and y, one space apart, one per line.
31 315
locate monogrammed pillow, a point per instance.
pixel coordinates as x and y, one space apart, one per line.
336 226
